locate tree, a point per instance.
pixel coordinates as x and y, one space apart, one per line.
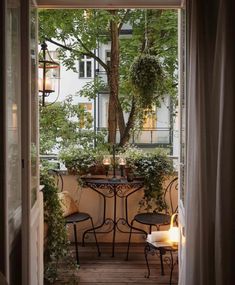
63 124
77 32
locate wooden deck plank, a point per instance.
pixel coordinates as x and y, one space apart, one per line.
116 270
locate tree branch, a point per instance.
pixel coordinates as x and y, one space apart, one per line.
91 54
88 53
130 124
124 18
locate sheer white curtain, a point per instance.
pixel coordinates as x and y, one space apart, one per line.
210 197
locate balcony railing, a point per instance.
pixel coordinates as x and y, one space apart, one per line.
148 137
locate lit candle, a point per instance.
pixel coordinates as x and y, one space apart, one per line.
106 161
48 85
122 161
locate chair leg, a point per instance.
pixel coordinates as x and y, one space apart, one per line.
97 245
161 259
172 267
76 242
129 241
146 250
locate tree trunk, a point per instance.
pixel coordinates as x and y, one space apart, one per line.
113 75
115 112
130 124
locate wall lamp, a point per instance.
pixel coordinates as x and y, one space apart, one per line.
48 68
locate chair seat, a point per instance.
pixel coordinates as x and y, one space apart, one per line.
77 217
152 218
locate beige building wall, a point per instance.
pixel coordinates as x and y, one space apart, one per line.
91 202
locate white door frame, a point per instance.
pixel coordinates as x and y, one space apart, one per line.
110 4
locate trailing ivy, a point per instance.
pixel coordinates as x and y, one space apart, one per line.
154 167
145 75
56 244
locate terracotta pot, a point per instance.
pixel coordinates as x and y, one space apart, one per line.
97 170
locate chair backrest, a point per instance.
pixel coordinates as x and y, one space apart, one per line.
67 203
58 179
171 196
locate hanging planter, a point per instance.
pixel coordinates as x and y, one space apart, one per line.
145 74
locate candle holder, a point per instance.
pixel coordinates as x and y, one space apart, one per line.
106 163
114 178
122 163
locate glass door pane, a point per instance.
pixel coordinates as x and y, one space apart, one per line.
13 106
34 107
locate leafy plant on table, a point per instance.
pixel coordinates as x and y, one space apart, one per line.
77 159
154 167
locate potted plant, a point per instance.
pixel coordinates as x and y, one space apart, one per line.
77 159
80 161
146 76
153 167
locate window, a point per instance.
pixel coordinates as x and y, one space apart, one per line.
85 67
85 115
150 119
108 57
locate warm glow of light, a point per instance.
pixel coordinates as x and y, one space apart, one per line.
14 107
106 161
174 235
122 161
48 85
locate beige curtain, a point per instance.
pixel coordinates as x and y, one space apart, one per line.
210 196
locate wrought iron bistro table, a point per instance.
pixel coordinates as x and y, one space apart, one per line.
108 188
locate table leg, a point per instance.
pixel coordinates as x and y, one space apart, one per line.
114 220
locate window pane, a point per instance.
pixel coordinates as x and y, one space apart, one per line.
34 109
13 139
81 69
88 69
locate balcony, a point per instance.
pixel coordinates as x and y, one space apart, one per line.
160 137
106 269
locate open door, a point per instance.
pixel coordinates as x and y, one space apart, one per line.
32 223
21 204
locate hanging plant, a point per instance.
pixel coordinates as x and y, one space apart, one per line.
145 75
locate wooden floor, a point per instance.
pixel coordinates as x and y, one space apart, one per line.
114 270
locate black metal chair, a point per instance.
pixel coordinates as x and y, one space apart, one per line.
73 216
156 219
71 212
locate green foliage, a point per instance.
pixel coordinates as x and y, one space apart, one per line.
146 76
77 159
153 167
81 160
63 124
56 246
78 32
80 35
92 88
